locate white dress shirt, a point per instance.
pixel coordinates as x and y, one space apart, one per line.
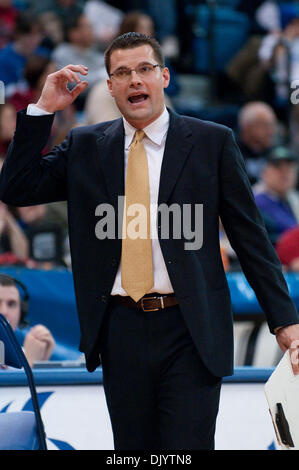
154 144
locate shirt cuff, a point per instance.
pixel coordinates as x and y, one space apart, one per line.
34 110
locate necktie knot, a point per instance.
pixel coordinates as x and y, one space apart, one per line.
138 137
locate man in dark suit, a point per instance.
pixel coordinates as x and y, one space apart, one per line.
158 313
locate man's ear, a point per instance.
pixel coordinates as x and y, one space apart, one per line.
166 77
109 85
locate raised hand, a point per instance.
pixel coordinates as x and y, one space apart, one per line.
55 94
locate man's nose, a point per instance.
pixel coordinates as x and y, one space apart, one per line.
135 78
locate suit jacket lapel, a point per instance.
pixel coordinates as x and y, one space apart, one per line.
111 154
177 148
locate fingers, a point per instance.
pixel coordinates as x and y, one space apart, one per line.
39 343
294 356
36 350
40 332
71 76
78 89
70 73
77 68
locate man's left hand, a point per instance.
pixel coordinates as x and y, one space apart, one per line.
288 338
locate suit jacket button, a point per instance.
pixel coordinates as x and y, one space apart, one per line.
113 262
104 299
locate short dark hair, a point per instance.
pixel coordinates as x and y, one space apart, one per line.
131 21
26 22
35 67
70 23
7 281
130 41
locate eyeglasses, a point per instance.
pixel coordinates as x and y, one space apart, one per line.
143 70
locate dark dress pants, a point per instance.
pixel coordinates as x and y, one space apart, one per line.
159 394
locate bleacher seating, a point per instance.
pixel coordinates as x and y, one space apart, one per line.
218 34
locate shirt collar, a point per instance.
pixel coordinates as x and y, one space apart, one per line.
155 131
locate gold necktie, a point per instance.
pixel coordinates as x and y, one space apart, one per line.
136 259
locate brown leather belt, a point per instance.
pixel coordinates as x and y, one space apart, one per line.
148 303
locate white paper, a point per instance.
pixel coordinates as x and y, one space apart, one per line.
283 387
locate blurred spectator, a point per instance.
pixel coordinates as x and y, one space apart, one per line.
8 15
164 15
267 15
248 79
39 342
14 247
63 9
31 215
275 195
245 69
79 49
138 22
35 73
257 131
96 113
105 21
14 56
52 27
287 248
64 121
45 228
57 214
12 239
7 126
19 226
279 53
294 129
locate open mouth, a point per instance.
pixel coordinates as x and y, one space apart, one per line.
138 98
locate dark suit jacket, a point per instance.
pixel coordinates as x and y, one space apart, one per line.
201 164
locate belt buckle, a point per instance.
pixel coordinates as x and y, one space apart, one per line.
151 298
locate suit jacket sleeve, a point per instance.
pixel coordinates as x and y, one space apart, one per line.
27 177
247 234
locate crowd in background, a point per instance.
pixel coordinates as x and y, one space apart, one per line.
250 92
